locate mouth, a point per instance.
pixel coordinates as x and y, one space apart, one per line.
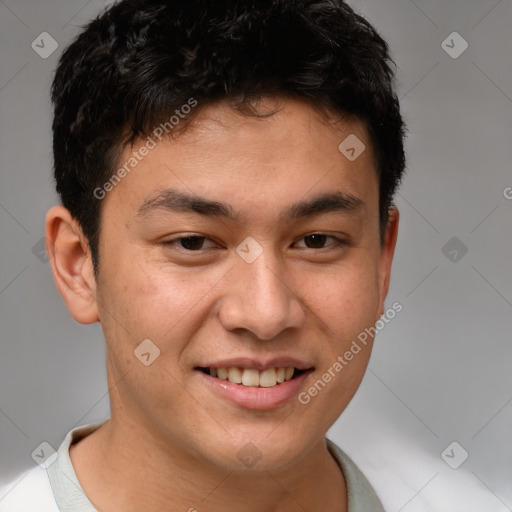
252 377
257 384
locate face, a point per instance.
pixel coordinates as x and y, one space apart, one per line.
246 246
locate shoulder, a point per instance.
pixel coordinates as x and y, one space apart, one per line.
28 492
43 489
361 496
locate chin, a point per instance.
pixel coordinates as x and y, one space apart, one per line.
259 452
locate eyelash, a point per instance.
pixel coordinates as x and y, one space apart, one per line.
175 242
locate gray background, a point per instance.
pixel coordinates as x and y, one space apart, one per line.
440 371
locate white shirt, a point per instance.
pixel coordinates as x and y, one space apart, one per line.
56 489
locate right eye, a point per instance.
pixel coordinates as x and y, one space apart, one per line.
191 243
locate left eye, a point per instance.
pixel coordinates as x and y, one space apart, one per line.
318 240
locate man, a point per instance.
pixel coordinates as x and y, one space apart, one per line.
226 173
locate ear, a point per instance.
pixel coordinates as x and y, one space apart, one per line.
386 257
71 263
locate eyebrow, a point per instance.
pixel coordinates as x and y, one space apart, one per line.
172 200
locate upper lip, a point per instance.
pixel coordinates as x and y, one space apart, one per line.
258 364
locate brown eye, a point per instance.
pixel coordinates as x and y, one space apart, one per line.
321 241
315 241
192 243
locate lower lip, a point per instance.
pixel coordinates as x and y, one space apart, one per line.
252 397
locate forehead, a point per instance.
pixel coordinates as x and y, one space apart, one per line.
289 128
253 161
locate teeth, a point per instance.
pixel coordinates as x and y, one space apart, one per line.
268 378
235 375
222 373
250 377
254 378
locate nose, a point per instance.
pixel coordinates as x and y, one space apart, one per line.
260 298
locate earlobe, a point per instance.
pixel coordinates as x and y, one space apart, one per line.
71 263
386 257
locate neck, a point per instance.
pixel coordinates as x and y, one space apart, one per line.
123 467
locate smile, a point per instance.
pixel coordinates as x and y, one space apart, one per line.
252 377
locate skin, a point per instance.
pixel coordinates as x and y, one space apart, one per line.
172 442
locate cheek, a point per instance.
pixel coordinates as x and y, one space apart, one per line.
344 298
143 301
168 310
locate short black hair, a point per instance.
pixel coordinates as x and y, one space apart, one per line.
140 61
